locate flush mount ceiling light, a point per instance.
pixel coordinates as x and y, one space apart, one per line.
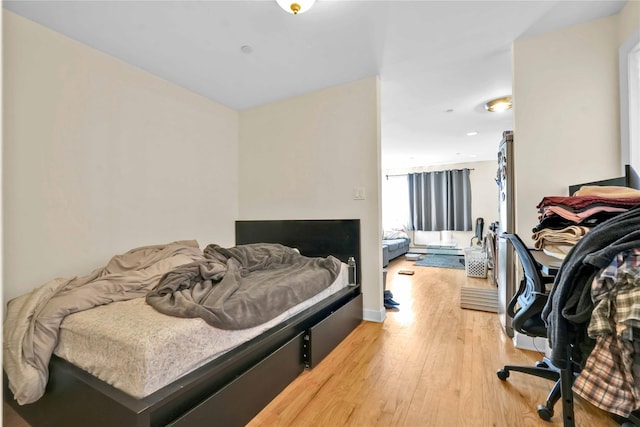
296 6
499 104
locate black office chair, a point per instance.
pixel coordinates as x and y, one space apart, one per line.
525 309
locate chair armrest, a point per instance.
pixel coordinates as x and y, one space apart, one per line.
514 300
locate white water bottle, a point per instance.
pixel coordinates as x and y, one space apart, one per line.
352 270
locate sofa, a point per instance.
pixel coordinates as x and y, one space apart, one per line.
394 244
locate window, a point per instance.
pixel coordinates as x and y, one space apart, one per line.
440 200
395 207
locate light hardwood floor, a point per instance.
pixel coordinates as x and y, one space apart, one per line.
430 363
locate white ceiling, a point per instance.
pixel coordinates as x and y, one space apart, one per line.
431 56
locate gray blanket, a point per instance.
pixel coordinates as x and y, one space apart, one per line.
32 323
243 286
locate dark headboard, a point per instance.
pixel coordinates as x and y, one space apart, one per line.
633 180
630 179
313 238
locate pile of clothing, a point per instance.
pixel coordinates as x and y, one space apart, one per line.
564 220
591 315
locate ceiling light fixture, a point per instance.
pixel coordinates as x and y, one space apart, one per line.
296 6
499 104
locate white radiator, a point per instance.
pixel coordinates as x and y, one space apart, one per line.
462 238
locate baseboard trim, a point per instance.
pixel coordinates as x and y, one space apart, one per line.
446 251
377 316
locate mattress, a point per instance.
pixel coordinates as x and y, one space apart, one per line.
138 350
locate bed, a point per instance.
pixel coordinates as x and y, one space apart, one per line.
232 388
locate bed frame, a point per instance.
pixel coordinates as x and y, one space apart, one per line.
630 179
233 388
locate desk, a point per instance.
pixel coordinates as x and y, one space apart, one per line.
548 264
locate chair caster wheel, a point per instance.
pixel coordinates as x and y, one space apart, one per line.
545 413
541 365
502 374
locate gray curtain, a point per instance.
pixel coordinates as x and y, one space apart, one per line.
440 200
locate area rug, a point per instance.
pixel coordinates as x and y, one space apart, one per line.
443 261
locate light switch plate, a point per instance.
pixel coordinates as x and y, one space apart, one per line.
358 193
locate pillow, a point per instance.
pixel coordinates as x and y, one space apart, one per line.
394 234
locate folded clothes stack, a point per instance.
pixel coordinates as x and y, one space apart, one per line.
564 220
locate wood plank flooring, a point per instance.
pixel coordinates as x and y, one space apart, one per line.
430 363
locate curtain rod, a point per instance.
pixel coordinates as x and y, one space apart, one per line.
405 174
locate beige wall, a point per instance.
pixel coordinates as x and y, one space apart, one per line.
629 39
566 119
628 20
301 158
101 157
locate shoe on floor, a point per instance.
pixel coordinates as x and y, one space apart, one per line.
391 302
390 306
